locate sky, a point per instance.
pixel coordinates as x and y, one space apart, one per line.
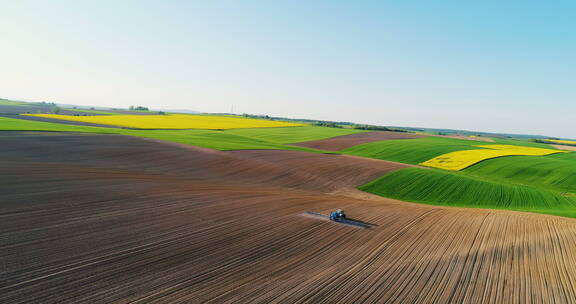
494 66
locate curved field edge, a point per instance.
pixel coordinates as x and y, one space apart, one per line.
411 151
419 150
438 187
245 139
556 172
459 160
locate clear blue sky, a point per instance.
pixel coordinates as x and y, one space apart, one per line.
502 66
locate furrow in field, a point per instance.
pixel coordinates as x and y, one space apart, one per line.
109 219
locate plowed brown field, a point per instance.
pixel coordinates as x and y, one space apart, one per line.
346 141
112 219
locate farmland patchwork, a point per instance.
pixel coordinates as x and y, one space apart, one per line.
233 139
173 121
459 160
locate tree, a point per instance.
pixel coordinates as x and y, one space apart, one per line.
138 108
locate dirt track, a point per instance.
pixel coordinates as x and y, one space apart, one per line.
346 141
112 219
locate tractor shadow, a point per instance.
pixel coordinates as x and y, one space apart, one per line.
362 222
348 221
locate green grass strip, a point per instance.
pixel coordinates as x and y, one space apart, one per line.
438 187
286 135
412 151
544 172
4 102
219 140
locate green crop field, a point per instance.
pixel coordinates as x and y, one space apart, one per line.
292 134
412 151
544 184
5 102
516 142
564 156
13 124
220 140
439 187
545 172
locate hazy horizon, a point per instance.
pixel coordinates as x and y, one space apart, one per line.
489 66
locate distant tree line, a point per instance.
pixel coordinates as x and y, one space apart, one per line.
378 128
547 141
329 124
303 120
138 108
49 107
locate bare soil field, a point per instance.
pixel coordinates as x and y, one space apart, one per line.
114 219
346 141
565 147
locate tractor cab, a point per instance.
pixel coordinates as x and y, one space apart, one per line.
337 215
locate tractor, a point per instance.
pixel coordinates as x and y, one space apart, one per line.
338 215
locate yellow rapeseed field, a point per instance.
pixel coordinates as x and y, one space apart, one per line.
174 121
459 160
566 142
